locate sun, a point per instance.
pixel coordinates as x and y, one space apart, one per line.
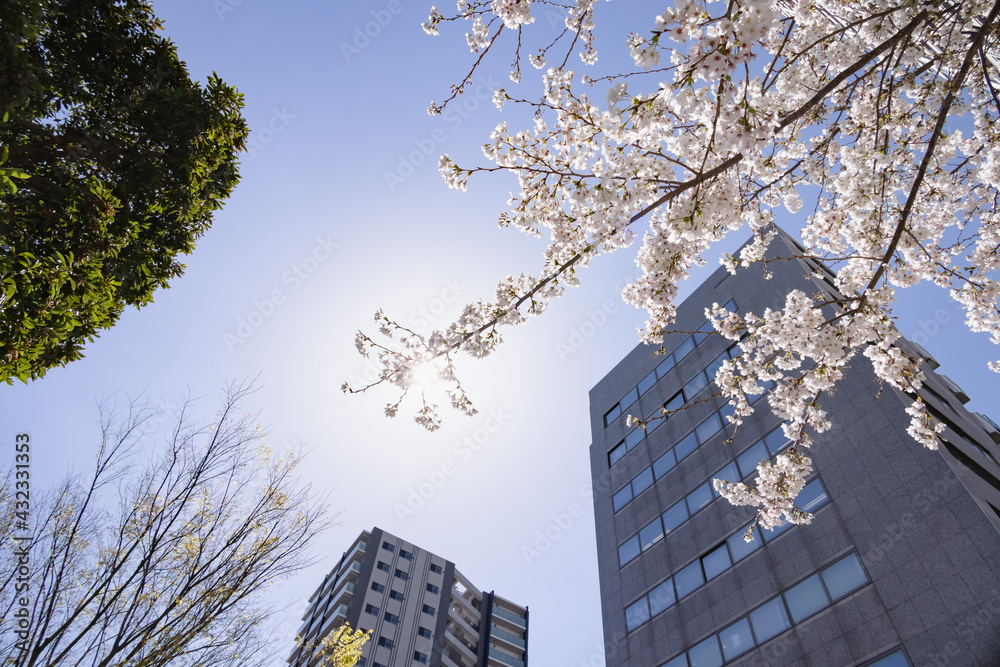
425 374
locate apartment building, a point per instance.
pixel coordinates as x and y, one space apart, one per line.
423 611
900 566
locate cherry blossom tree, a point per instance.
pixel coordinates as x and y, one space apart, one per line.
874 123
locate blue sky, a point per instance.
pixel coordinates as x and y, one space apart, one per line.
341 211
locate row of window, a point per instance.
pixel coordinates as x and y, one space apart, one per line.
396 595
700 434
686 507
695 574
393 618
681 351
778 614
403 553
747 462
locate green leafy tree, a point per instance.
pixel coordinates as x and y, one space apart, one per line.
114 163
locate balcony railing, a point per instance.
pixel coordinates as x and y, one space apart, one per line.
505 658
510 616
507 636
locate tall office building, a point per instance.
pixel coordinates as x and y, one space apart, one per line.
900 566
422 610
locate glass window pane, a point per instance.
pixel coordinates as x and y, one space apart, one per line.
654 423
806 598
770 619
665 366
749 459
696 384
643 481
716 364
731 306
705 326
686 446
844 576
675 516
651 534
699 497
646 383
772 533
689 579
706 654
740 548
675 402
735 351
709 427
727 474
622 498
812 496
616 454
897 659
716 562
726 411
612 414
776 440
637 614
629 550
683 349
736 639
661 597
664 464
629 398
679 661
634 438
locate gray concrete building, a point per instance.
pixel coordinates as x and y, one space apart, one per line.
421 609
900 566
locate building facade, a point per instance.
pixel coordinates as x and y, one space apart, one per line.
900 566
421 609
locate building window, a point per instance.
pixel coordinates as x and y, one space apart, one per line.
377 587
431 588
391 618
402 575
894 659
427 609
736 639
382 641
388 547
436 569
395 595
419 657
769 620
405 555
382 566
424 632
371 609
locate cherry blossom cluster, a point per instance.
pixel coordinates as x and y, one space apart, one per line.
843 114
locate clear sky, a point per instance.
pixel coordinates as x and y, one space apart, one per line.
341 211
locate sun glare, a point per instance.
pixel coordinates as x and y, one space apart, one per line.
426 374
